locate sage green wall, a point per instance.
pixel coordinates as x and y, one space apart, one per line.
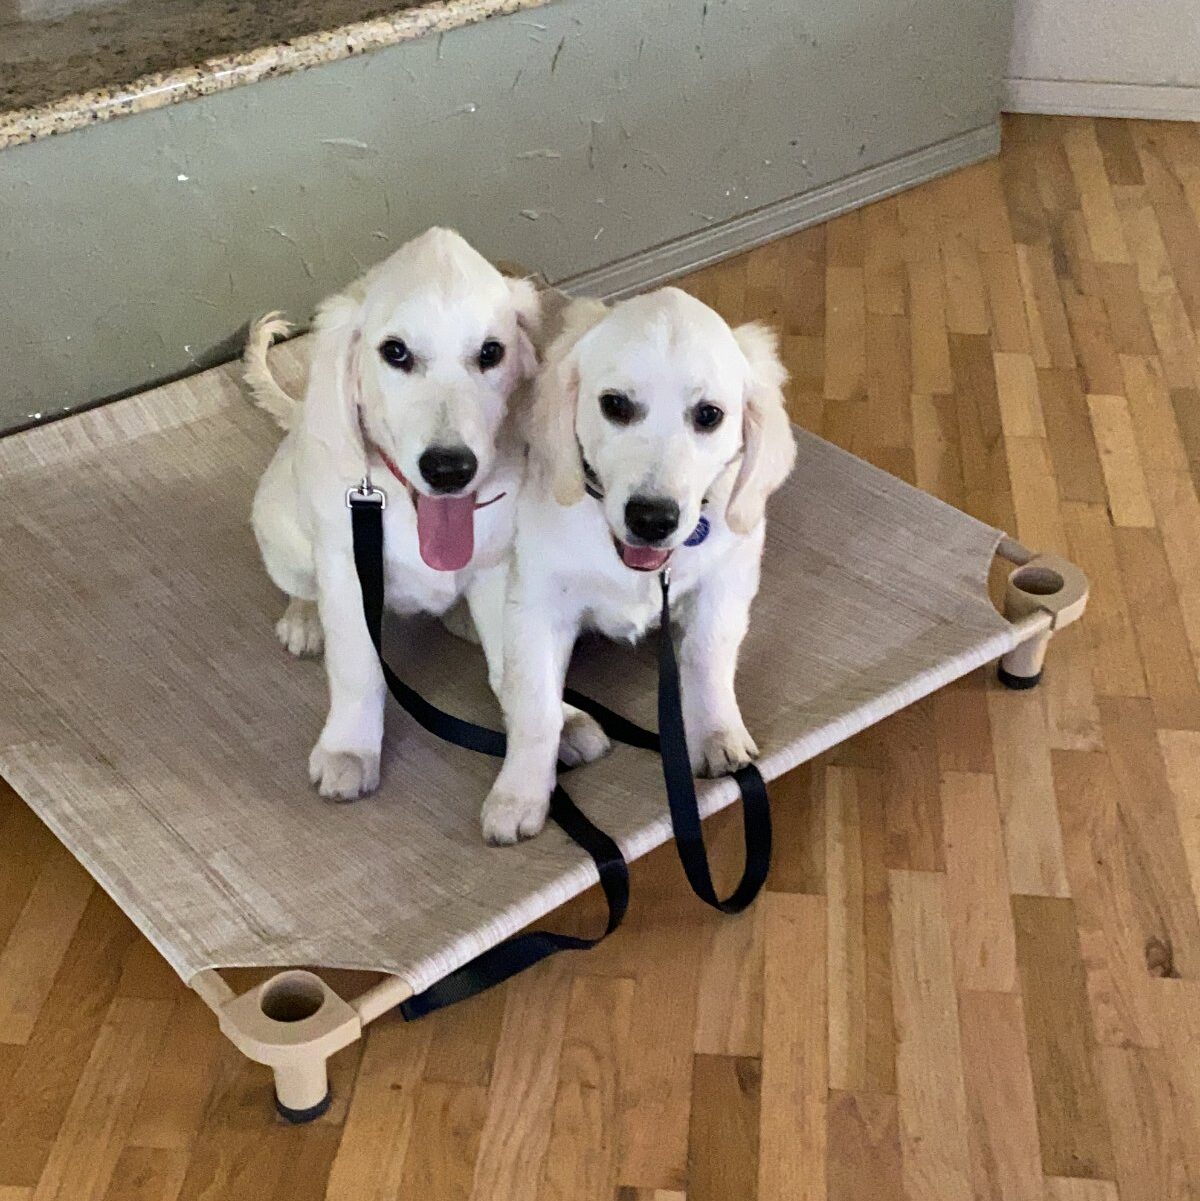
563 138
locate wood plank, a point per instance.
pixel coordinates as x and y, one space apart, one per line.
1166 906
1115 658
447 1121
1177 511
977 904
963 727
1032 838
794 1091
1179 1020
1104 886
1017 391
1006 1160
966 295
1124 479
1147 1147
1049 331
1159 442
1006 301
723 1146
464 1039
1068 423
1121 162
1035 495
146 1174
1127 318
1099 363
656 1072
1071 1110
1171 679
27 844
512 1146
382 1116
1099 211
882 265
930 347
846 965
845 333
798 818
1066 1188
62 1040
93 1130
937 467
729 1003
581 1156
864 1148
889 386
1181 754
39 940
180 1079
984 465
934 1126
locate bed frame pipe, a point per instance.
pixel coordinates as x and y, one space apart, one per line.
294 1021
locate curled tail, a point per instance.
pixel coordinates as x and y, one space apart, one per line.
264 387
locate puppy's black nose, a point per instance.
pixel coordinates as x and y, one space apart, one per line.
448 468
651 518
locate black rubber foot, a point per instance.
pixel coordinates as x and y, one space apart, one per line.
298 1117
1017 683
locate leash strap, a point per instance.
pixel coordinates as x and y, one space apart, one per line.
515 954
681 790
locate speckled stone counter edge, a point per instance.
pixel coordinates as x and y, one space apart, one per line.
159 89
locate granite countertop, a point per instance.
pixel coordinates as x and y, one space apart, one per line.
103 62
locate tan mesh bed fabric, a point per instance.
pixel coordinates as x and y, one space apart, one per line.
155 724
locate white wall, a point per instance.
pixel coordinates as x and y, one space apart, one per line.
1110 57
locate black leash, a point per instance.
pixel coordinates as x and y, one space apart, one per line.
521 951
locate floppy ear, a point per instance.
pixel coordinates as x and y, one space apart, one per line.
550 423
527 302
768 447
331 398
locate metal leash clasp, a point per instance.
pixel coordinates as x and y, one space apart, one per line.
365 493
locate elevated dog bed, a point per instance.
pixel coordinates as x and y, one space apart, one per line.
153 722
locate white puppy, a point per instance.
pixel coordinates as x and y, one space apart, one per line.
658 434
413 368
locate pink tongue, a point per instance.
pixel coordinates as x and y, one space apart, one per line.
643 558
446 530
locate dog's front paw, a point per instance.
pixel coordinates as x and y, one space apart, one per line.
508 817
343 775
299 629
582 740
724 751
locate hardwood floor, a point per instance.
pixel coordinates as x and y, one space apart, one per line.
977 975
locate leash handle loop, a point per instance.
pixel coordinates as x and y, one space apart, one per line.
681 789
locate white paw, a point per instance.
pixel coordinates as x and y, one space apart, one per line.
723 752
299 629
343 775
507 818
582 741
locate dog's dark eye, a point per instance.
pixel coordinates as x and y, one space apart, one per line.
490 354
395 354
618 408
706 416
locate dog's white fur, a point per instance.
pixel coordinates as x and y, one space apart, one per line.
443 300
666 351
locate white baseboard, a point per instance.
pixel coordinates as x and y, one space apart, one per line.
1079 98
695 250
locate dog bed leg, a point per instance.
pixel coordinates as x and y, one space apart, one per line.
1049 585
292 1023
